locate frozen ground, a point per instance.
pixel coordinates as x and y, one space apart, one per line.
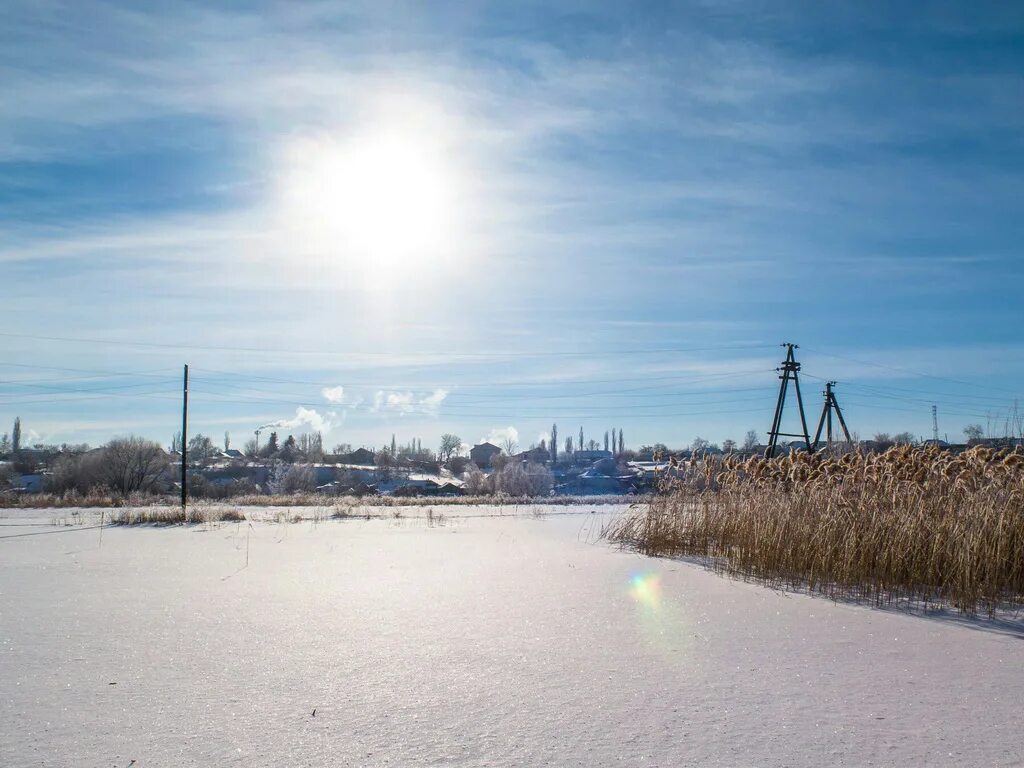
497 641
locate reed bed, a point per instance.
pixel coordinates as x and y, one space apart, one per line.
911 524
176 515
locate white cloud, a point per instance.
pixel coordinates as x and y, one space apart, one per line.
499 435
334 395
409 402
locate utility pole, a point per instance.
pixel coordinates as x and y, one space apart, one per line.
826 416
790 368
184 442
935 424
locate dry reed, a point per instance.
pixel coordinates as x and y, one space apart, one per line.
911 524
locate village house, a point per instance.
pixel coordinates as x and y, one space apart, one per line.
482 454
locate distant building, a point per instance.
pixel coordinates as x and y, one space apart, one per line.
482 454
589 457
361 456
535 456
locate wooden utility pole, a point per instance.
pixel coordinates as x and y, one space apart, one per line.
790 368
184 442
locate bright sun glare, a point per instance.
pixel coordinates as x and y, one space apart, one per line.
379 201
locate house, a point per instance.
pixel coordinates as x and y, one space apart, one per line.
535 456
482 454
233 453
589 457
359 458
429 485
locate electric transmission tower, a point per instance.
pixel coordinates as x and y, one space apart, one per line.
790 368
935 424
831 404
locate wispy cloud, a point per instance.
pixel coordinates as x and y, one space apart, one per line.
409 402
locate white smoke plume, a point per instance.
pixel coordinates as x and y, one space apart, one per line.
306 417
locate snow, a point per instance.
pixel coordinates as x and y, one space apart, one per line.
490 640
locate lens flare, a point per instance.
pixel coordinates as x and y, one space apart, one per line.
660 618
645 589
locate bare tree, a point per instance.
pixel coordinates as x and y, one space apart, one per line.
973 432
133 464
450 446
200 448
728 446
750 440
509 445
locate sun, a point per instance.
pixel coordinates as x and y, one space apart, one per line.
380 201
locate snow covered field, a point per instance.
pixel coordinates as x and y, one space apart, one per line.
474 640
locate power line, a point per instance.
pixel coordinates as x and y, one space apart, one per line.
376 353
908 371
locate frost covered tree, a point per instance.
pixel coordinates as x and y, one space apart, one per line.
477 483
973 433
516 479
298 478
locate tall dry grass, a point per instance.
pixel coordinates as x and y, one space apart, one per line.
914 524
176 515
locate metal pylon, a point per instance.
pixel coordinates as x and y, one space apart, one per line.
826 416
789 370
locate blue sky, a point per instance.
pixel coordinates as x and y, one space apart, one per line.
473 217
